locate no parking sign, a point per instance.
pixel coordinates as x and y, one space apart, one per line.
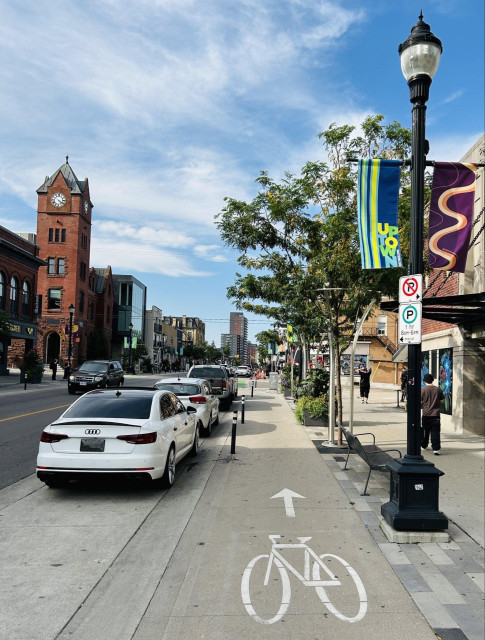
410 309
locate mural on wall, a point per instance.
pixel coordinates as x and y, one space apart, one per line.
445 379
425 365
360 361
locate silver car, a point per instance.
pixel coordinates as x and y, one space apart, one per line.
198 393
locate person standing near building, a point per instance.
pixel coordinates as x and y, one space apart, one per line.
431 397
404 384
54 368
364 384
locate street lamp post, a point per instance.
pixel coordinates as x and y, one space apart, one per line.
414 483
130 370
72 310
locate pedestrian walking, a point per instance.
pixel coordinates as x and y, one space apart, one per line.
54 368
404 384
431 397
364 384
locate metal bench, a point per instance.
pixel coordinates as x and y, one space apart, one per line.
377 459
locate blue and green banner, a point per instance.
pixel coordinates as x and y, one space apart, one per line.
377 199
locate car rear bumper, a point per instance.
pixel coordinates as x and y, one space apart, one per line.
91 463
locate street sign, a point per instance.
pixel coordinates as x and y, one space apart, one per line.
410 317
411 288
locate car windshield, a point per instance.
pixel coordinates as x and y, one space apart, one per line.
93 367
119 405
179 388
206 372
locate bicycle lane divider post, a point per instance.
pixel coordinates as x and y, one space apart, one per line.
242 408
233 433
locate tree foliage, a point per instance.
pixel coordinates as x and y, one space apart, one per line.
299 235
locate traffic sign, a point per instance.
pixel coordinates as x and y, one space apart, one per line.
411 288
410 317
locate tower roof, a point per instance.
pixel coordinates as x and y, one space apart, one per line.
76 186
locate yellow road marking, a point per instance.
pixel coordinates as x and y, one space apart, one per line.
23 415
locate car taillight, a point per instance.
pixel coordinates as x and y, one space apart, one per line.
142 438
52 437
224 384
198 399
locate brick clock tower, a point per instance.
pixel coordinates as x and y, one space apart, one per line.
64 239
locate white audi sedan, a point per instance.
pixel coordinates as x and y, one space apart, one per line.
139 434
198 393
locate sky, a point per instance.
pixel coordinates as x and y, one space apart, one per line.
170 106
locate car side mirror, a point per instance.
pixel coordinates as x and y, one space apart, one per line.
191 409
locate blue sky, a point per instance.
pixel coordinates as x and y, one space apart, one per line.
168 106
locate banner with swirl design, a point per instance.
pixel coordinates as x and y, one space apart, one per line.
451 214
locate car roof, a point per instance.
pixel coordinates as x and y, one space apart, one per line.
182 380
130 391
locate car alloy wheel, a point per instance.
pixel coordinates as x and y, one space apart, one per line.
168 477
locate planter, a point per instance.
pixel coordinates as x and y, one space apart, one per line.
308 421
33 377
286 392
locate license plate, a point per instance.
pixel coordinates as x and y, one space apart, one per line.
92 444
83 384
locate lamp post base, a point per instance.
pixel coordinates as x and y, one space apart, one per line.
413 504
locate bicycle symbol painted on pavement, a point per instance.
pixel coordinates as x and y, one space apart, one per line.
318 565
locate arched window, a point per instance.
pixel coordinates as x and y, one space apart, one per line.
3 286
26 299
14 296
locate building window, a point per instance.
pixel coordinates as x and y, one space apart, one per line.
63 235
56 235
51 266
54 299
82 271
2 291
382 325
60 266
26 299
14 295
51 234
91 311
81 302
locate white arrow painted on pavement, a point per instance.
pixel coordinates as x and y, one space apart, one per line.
288 495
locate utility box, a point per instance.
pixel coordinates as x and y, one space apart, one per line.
273 381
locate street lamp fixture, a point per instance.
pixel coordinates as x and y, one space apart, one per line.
130 368
72 310
414 483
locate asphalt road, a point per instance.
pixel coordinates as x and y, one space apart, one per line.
25 413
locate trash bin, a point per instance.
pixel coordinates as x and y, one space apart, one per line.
273 381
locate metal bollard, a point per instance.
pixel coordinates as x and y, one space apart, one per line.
242 409
25 381
233 434
252 388
398 394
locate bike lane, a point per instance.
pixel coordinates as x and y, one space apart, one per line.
326 576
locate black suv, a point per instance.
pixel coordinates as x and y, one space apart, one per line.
223 384
94 374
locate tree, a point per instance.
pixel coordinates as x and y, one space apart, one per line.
299 236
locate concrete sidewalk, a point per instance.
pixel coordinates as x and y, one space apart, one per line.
445 580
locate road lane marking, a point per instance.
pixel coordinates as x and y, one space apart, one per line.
33 413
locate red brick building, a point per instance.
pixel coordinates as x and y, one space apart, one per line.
64 238
19 264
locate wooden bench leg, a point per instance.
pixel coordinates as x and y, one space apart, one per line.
365 488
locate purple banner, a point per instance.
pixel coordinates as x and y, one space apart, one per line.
451 213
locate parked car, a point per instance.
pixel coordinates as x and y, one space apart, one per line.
223 385
139 434
199 394
244 371
96 374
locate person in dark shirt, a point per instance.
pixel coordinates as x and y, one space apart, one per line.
431 398
364 384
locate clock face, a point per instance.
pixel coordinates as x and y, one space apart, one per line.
58 199
86 206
